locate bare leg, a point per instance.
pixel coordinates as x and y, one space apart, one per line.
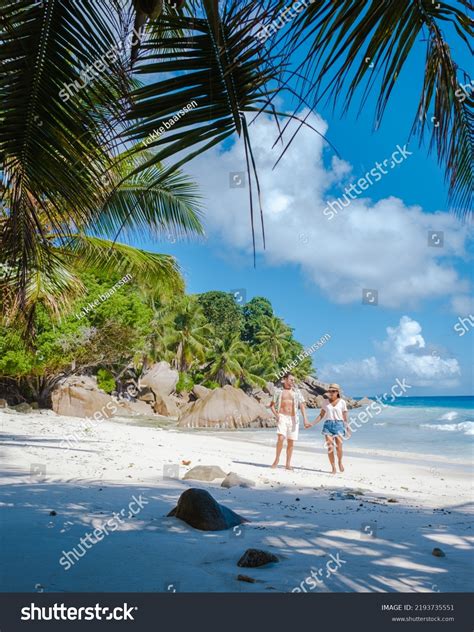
289 453
279 448
330 447
339 453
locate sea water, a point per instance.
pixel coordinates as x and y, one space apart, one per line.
438 426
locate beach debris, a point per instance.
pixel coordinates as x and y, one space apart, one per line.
256 557
200 510
185 462
234 480
246 578
437 552
205 473
392 500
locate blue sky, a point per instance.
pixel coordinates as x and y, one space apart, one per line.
314 269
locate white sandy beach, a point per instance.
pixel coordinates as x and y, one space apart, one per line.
303 517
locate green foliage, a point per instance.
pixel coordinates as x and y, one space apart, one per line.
105 380
211 384
185 383
222 312
255 312
127 328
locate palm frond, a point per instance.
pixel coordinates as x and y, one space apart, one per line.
154 199
355 45
89 252
54 137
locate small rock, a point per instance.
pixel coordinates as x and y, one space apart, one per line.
297 499
22 408
246 578
233 480
184 462
205 473
255 557
53 513
438 552
392 500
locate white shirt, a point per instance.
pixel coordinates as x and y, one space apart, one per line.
297 398
334 413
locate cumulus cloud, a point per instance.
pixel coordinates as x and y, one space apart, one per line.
379 245
404 354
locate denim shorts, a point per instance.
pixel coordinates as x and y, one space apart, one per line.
334 428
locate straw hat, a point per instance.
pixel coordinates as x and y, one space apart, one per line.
333 387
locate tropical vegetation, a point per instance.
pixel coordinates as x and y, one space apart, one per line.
128 331
84 84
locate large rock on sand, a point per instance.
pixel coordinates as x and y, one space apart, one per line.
200 510
226 407
234 480
79 396
161 378
204 473
201 391
165 405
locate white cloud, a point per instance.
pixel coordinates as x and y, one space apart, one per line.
404 354
378 245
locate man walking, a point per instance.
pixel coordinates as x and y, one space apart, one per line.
286 404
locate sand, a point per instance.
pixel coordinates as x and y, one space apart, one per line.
343 528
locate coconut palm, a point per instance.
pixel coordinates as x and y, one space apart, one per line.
165 205
274 337
226 360
60 131
189 338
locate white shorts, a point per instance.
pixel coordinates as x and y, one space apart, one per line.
288 426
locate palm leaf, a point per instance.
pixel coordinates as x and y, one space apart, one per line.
153 199
89 252
52 149
347 38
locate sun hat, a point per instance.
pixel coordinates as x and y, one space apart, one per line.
334 387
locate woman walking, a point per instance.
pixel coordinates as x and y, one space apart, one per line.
335 427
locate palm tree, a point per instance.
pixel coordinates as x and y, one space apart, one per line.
55 149
226 360
257 368
146 201
189 338
274 337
